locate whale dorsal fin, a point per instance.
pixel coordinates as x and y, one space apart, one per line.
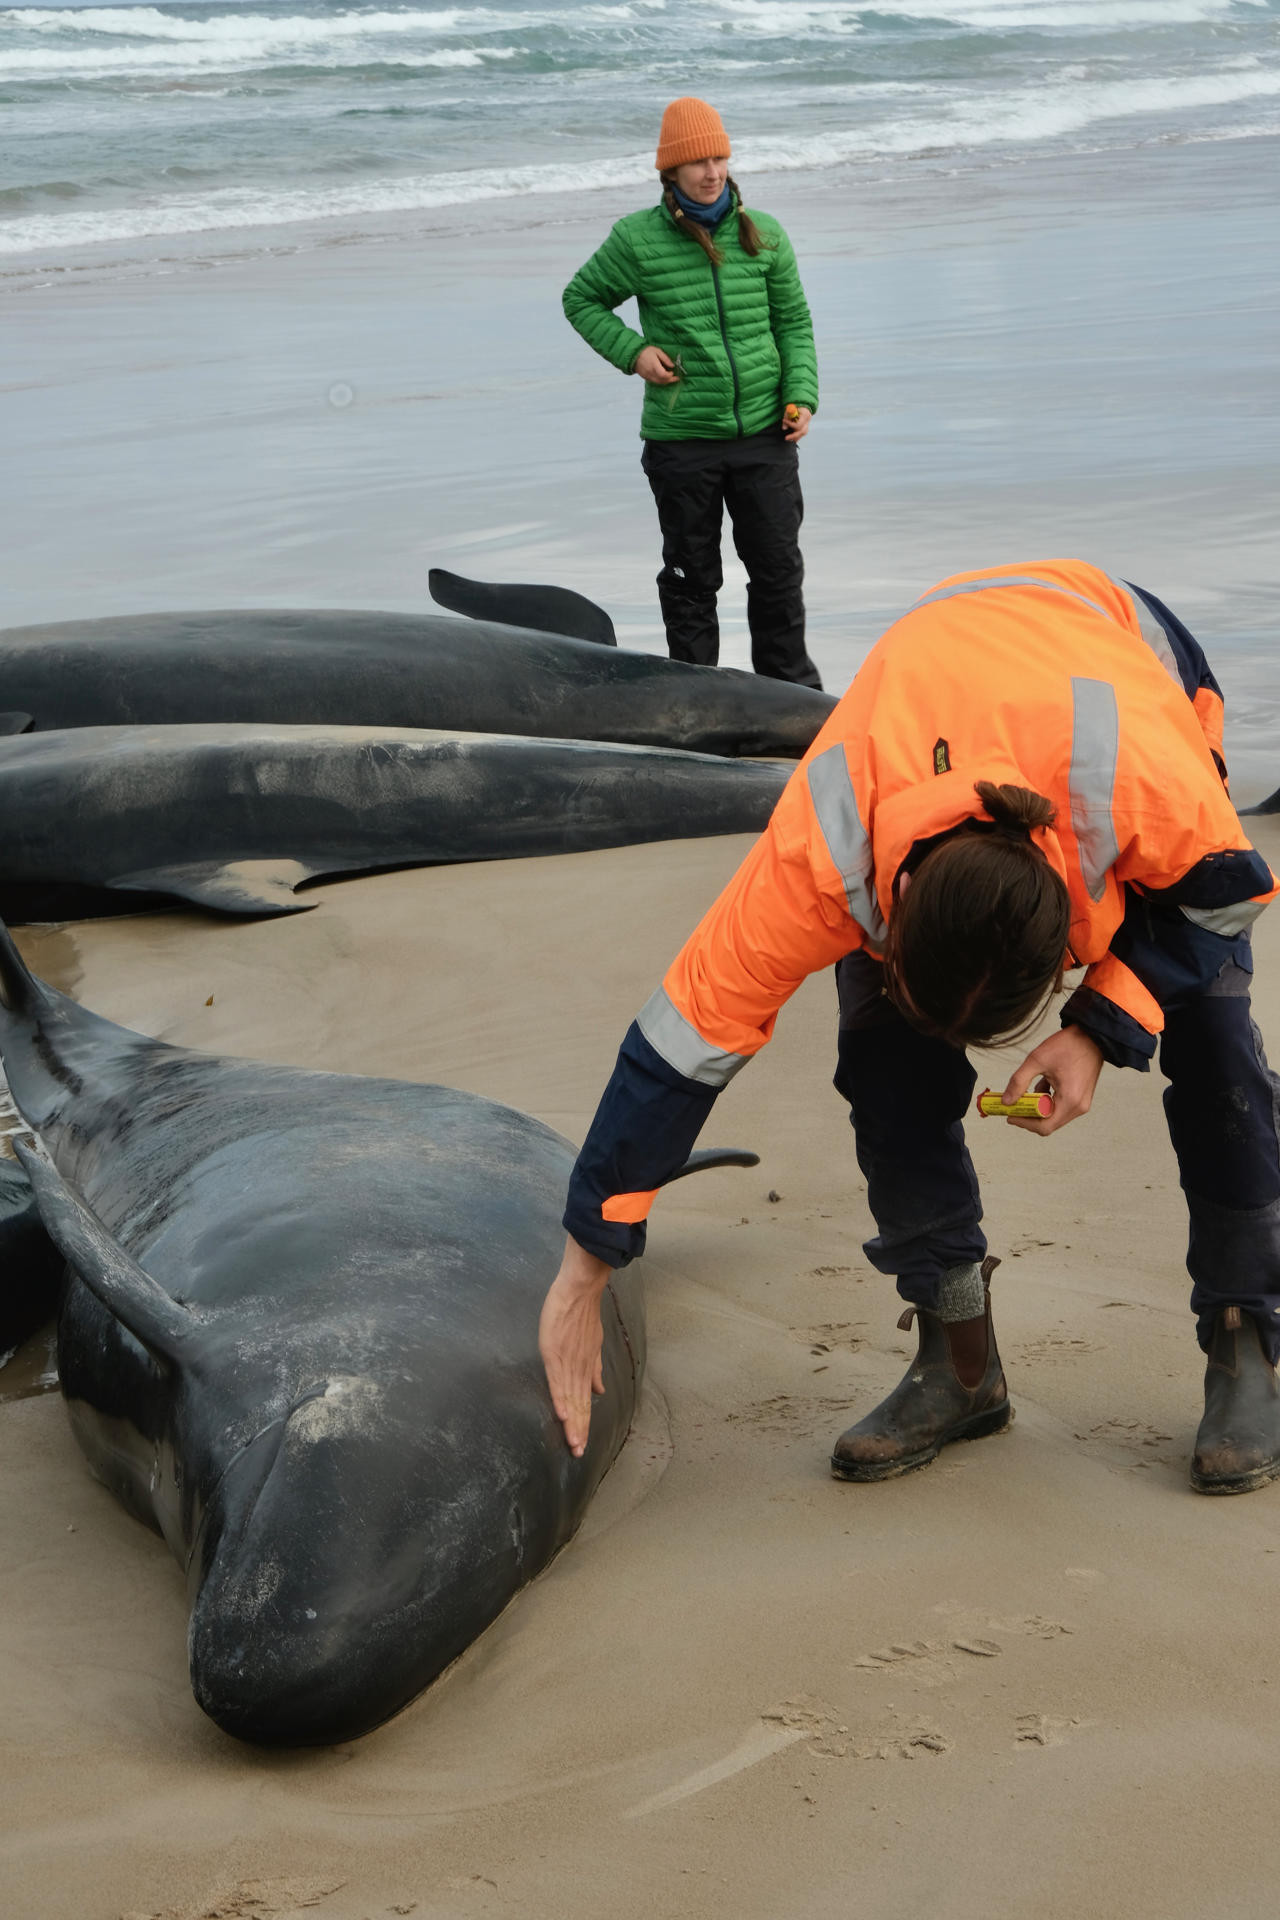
16 722
113 1276
227 886
546 609
714 1157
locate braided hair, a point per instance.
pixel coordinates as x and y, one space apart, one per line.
753 241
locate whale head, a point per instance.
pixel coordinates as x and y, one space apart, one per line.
349 1551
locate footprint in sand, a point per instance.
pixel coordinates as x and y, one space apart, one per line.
1043 1729
1055 1346
252 1900
974 1626
816 1723
813 1721
832 1336
922 1662
785 1414
1133 1437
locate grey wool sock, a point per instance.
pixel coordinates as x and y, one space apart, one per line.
961 1295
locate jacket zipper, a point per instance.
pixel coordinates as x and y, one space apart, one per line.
724 335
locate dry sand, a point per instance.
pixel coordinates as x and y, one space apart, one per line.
1036 1679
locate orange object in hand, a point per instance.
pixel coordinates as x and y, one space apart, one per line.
1028 1106
791 415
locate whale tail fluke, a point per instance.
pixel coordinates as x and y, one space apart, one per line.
707 1157
545 609
113 1276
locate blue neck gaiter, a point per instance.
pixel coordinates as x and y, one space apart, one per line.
705 216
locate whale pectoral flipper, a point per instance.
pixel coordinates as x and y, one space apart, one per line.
545 609
714 1157
20 991
232 886
127 1291
16 722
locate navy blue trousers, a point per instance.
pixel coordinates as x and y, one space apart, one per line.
908 1095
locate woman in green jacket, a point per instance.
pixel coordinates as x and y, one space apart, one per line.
731 384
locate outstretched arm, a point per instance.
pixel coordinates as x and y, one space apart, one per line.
785 914
570 1339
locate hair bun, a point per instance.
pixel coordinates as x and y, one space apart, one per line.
1015 809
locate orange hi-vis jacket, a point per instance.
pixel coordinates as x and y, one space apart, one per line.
1050 676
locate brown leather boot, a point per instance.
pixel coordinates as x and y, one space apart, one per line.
1238 1445
953 1390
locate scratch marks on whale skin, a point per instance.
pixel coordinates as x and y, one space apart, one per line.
349 1405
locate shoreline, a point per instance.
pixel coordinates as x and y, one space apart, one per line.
905 180
1015 360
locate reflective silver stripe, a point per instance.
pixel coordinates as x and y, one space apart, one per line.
1152 631
1010 580
1095 742
1226 920
682 1046
848 841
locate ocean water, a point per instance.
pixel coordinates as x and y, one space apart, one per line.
203 116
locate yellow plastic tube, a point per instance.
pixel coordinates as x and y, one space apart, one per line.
1028 1106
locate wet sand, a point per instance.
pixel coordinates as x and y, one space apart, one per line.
1034 1678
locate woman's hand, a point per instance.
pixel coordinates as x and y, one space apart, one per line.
655 366
1066 1065
795 421
570 1338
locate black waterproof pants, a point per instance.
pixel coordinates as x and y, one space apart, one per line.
908 1094
758 480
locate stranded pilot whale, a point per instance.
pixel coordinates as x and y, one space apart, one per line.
340 668
235 817
299 1338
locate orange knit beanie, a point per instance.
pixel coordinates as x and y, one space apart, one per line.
691 130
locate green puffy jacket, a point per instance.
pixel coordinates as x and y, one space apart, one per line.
742 330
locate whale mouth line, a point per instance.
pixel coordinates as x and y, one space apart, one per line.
278 1425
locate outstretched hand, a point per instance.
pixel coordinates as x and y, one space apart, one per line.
570 1340
1066 1065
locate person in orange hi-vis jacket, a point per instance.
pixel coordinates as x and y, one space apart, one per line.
1026 776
